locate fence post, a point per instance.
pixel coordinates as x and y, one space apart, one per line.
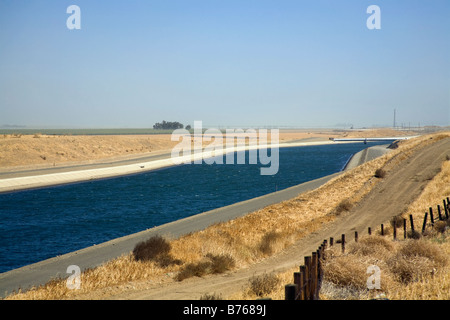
431 216
404 228
301 293
356 236
307 278
439 212
320 267
446 209
369 230
297 276
343 242
395 230
382 229
331 241
314 276
289 291
424 222
412 222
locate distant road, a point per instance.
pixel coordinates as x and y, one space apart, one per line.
78 167
372 139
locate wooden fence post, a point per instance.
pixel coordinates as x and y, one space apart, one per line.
412 222
307 278
382 229
343 242
369 231
331 241
431 216
424 222
297 276
314 276
301 293
395 230
320 266
446 209
404 228
439 212
289 291
356 236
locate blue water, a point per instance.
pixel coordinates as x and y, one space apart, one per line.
42 223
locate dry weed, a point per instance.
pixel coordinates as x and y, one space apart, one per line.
263 285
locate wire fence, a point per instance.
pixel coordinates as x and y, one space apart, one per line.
308 280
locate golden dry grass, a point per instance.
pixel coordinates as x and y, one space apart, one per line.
412 269
49 150
241 238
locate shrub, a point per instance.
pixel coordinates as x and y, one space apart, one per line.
214 265
264 284
198 269
415 259
344 205
156 249
346 271
397 221
380 173
409 269
267 242
440 226
151 249
424 248
213 296
413 234
371 245
221 263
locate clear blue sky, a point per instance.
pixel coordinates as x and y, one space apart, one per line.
225 62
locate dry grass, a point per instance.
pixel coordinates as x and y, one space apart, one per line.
411 269
44 150
404 265
245 240
264 285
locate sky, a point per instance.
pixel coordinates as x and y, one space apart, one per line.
279 63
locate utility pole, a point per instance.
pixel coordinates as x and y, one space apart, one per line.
394 119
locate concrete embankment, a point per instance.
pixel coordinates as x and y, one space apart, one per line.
366 155
15 181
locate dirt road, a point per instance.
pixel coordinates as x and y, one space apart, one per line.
388 198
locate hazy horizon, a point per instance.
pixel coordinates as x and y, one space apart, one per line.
289 63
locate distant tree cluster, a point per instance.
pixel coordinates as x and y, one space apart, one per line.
167 125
